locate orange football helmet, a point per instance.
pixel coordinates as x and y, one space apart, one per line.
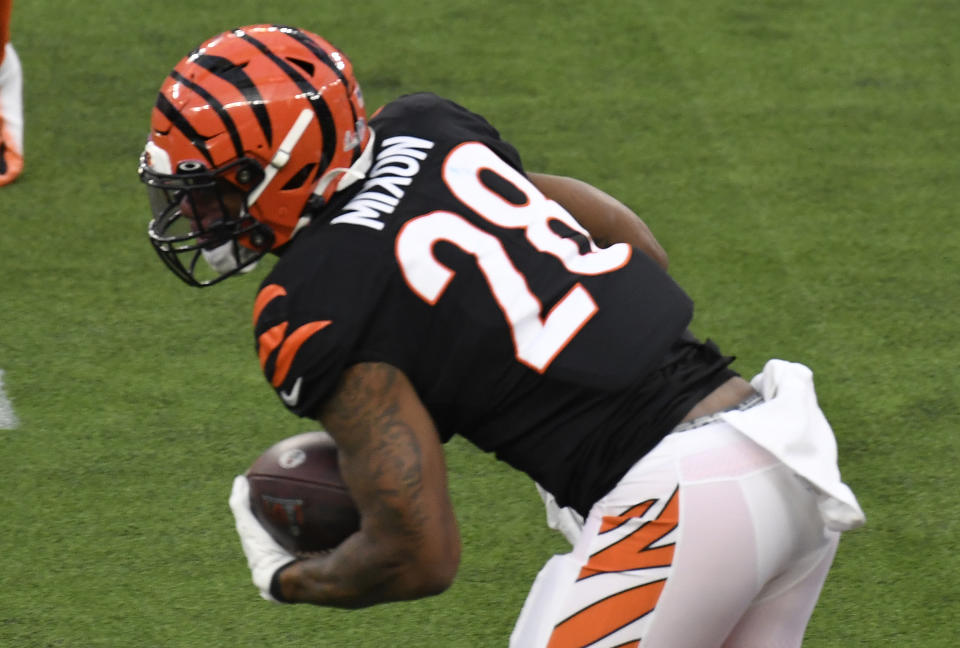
250 136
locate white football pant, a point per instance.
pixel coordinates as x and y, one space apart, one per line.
11 98
709 541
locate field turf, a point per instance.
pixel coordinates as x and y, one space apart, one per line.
798 160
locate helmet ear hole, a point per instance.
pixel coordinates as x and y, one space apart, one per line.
299 178
261 238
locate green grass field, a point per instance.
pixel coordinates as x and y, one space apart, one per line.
798 160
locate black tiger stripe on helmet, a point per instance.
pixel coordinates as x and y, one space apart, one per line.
219 108
181 123
320 107
323 56
234 74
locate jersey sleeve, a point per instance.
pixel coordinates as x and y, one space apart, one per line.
309 320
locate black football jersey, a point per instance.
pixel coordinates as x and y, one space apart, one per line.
566 360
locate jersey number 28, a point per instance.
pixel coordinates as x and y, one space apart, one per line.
537 338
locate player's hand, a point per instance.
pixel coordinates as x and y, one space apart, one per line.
264 556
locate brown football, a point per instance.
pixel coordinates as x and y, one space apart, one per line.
297 493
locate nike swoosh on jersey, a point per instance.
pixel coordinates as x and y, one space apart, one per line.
293 396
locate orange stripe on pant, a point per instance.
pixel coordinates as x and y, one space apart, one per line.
611 522
635 550
606 616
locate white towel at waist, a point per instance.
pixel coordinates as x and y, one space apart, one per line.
792 427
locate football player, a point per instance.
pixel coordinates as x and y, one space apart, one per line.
428 285
11 102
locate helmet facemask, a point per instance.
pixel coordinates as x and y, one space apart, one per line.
201 214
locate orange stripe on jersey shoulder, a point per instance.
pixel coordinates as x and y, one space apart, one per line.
276 336
266 295
289 348
269 341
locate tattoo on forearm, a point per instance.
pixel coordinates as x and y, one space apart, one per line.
394 456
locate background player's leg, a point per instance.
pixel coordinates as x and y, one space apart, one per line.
6 7
11 102
11 117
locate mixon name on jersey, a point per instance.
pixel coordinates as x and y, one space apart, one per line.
393 170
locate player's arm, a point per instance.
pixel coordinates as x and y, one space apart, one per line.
607 219
392 459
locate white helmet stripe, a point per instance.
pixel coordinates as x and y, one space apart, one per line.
282 155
